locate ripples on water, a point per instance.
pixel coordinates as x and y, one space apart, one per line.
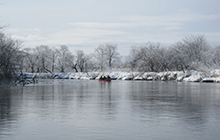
92 110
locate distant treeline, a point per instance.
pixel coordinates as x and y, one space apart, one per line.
191 53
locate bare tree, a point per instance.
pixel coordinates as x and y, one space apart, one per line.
91 64
63 58
164 58
81 60
150 57
191 52
112 55
72 63
30 59
9 56
43 55
53 59
168 59
134 58
216 56
100 55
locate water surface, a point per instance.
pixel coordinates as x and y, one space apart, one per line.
92 110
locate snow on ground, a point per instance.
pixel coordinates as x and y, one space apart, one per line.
193 76
189 76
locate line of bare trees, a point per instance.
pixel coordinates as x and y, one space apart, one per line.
46 59
191 53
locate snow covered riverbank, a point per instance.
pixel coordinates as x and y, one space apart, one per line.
190 76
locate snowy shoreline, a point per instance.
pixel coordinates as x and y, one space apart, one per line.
189 76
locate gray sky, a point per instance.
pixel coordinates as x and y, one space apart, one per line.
84 24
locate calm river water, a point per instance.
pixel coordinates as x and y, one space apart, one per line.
119 110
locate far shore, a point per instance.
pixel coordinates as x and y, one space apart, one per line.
189 76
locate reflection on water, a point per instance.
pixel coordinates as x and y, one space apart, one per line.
71 109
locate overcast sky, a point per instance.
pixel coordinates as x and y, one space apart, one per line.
84 24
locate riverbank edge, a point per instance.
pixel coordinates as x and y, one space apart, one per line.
188 76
